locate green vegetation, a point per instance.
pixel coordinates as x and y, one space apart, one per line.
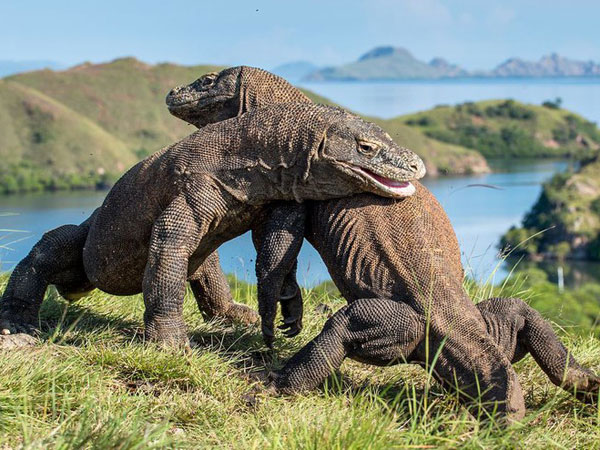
509 129
575 310
83 127
565 220
553 104
94 384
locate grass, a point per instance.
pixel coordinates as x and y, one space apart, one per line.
92 383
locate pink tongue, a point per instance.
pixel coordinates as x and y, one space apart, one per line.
387 181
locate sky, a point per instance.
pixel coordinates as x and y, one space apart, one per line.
476 34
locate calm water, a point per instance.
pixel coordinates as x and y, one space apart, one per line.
389 99
479 215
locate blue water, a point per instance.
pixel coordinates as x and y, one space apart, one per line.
389 99
480 215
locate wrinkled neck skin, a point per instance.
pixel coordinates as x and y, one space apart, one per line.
276 154
279 175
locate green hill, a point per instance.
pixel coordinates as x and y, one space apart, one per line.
568 213
85 126
44 144
507 128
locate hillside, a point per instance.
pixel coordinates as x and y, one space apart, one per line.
388 63
507 128
568 213
85 126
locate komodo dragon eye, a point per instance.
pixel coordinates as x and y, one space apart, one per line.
208 80
368 148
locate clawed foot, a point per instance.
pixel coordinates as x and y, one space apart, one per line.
8 327
167 333
292 311
18 340
291 326
242 314
589 391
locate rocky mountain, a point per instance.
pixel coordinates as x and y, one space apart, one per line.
552 65
395 63
388 63
295 71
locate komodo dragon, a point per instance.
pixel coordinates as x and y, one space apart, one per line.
166 214
381 250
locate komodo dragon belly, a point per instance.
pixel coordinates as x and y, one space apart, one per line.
117 248
378 247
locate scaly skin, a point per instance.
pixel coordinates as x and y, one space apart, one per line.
405 251
168 213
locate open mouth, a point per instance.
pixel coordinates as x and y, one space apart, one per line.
396 188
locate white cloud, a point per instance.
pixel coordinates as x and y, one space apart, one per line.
501 16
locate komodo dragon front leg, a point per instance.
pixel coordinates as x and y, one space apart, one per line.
278 241
383 332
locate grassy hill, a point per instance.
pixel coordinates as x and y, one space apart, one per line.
507 128
92 383
85 126
567 214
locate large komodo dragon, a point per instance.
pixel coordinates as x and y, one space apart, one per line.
398 264
166 214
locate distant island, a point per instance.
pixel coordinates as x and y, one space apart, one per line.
396 63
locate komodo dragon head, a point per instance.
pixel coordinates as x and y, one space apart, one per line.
218 96
384 168
363 150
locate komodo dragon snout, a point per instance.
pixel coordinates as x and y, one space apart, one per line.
211 98
385 168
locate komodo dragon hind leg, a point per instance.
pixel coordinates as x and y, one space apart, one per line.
520 329
213 295
55 259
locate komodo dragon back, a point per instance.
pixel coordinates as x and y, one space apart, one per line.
260 88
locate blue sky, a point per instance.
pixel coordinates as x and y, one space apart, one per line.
472 33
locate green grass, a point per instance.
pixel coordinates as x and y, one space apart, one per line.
92 383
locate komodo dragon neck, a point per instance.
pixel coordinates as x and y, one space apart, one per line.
382 248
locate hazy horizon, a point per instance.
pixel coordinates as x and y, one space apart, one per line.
266 33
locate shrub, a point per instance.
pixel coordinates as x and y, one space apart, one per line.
553 104
519 241
510 109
